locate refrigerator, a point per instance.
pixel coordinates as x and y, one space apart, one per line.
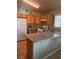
21 27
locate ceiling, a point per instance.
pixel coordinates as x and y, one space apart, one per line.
45 5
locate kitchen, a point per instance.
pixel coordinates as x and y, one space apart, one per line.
39 28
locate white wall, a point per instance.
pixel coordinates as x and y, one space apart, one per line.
23 10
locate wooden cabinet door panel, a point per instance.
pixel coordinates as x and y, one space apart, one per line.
48 17
37 19
31 19
21 48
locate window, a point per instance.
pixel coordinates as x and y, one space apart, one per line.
57 21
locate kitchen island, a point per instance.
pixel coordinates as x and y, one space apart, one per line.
41 44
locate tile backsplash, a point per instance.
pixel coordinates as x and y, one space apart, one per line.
32 26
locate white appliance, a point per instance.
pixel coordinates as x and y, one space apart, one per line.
21 27
39 30
45 28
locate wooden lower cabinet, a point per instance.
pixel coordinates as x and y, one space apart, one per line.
29 49
24 49
31 30
22 57
21 49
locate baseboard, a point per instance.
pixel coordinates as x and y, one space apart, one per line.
51 53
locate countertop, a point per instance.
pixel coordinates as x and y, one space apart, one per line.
42 36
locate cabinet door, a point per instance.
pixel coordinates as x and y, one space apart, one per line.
37 19
31 19
21 48
48 17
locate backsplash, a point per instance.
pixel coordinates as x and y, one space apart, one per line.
33 26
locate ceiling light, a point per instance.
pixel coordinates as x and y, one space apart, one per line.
31 3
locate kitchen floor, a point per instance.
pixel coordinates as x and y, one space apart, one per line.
57 55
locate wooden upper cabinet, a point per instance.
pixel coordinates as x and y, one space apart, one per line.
40 17
37 19
47 17
31 19
22 15
43 16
